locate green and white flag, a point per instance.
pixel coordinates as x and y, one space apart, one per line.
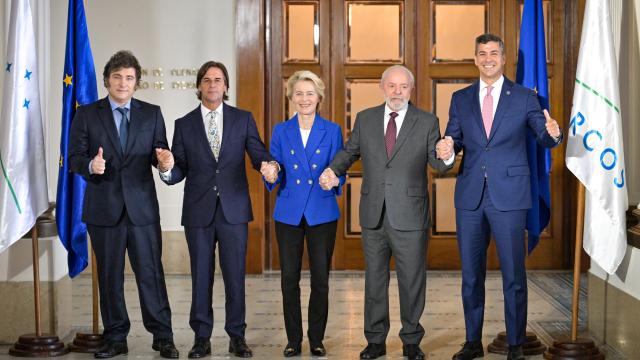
594 148
23 181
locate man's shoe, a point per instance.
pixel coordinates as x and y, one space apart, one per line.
515 353
292 350
166 347
238 347
201 348
318 349
412 351
470 350
373 351
111 349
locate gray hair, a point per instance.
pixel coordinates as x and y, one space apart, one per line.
394 67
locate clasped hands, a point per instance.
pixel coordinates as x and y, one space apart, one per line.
328 179
270 171
444 148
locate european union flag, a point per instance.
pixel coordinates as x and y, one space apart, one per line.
79 87
532 73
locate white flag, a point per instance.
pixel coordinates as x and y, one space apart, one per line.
594 148
23 181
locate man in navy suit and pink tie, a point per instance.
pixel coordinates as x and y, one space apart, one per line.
489 121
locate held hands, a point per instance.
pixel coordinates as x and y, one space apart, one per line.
270 171
552 126
444 148
165 159
98 164
328 179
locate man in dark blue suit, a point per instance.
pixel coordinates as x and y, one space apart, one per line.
489 121
208 150
113 144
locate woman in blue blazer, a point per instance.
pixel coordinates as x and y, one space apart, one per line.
304 146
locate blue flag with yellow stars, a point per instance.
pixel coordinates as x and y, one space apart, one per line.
78 88
532 73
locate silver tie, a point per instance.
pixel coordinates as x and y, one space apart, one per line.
213 134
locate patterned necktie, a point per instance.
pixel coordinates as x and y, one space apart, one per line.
390 135
487 111
124 127
213 134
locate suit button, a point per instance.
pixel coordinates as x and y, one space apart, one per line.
292 152
310 181
317 151
314 166
298 181
217 171
215 188
295 166
486 149
483 167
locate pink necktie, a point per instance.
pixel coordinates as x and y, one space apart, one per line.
487 111
390 135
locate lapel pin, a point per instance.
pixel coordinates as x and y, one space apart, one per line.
508 92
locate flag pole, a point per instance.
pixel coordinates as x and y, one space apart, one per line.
92 342
38 344
575 348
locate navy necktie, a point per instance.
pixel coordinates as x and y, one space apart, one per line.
124 127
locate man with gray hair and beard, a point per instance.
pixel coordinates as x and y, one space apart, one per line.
395 141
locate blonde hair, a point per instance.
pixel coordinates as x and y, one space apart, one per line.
306 75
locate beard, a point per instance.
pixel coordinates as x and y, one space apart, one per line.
396 103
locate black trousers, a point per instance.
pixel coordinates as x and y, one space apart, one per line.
320 243
144 246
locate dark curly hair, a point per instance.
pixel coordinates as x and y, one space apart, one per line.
123 59
203 70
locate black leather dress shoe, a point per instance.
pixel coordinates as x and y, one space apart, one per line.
111 349
292 349
201 348
166 347
238 347
470 350
373 351
515 353
412 351
318 350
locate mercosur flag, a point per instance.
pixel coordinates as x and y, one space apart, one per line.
594 147
23 181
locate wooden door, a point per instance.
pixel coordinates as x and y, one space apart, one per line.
350 43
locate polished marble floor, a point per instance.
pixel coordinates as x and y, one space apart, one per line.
549 315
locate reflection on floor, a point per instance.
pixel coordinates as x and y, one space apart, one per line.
549 315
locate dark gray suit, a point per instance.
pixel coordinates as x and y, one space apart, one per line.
394 208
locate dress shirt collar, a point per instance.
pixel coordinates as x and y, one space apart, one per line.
497 86
205 110
115 105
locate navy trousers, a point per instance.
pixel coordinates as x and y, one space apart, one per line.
474 228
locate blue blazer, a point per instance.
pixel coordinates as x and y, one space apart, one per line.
503 156
299 192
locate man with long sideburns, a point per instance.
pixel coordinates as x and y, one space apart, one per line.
209 146
395 142
114 142
489 120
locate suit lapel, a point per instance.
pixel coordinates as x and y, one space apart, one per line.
378 123
407 125
503 105
315 136
228 124
136 118
295 140
106 118
474 93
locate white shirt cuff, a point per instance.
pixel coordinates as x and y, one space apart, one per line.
450 160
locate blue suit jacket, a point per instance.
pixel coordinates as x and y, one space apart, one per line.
128 178
209 181
299 192
503 156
